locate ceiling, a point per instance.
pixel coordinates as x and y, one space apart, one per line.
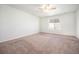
34 9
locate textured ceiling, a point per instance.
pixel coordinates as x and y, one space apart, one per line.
34 9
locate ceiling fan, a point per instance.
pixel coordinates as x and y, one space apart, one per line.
47 7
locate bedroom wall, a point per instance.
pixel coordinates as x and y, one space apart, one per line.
77 23
67 22
15 23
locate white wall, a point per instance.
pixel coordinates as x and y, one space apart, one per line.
15 23
77 21
67 21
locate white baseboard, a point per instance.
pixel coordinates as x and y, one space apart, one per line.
63 34
13 38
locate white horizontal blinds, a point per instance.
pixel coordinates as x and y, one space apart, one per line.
54 25
54 20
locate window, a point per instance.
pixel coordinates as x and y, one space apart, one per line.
51 26
54 25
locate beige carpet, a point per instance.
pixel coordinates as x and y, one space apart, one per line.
41 43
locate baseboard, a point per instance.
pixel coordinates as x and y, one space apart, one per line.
67 34
13 38
62 34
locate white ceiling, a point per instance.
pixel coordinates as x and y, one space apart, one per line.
34 9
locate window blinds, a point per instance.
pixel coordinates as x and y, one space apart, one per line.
54 21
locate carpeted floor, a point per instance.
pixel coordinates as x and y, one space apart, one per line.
41 43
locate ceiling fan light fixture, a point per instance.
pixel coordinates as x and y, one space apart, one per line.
47 7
